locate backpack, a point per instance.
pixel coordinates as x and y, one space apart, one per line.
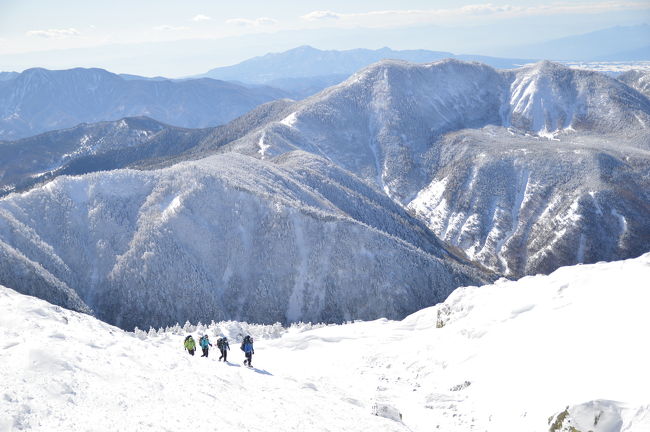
246 340
220 343
187 337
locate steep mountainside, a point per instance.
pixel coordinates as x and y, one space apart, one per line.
383 121
395 124
637 79
39 100
525 205
226 237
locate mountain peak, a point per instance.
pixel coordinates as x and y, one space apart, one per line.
548 65
305 48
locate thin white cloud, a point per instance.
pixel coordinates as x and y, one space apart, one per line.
400 17
257 22
54 33
199 18
321 15
166 27
480 9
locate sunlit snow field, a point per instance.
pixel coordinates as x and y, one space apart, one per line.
505 357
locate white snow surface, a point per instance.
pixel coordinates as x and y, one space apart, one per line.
512 356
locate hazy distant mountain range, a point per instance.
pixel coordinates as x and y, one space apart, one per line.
306 70
611 44
194 56
39 100
8 75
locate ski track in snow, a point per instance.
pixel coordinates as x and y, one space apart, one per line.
508 357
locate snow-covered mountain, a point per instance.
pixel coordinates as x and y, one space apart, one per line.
525 170
304 71
521 171
27 161
524 205
563 352
129 142
39 100
637 79
226 237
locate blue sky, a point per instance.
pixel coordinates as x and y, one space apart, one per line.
67 33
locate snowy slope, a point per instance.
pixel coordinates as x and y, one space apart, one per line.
65 371
285 240
564 350
527 205
637 79
384 121
30 160
569 134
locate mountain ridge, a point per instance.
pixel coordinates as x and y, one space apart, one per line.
517 172
378 126
139 247
600 45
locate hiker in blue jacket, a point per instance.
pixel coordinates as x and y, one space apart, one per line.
247 347
205 344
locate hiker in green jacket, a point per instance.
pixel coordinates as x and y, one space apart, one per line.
190 345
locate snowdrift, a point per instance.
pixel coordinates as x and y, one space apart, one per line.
543 353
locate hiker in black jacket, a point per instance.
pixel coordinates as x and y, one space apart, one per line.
224 346
247 347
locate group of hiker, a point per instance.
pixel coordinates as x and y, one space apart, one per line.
223 345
